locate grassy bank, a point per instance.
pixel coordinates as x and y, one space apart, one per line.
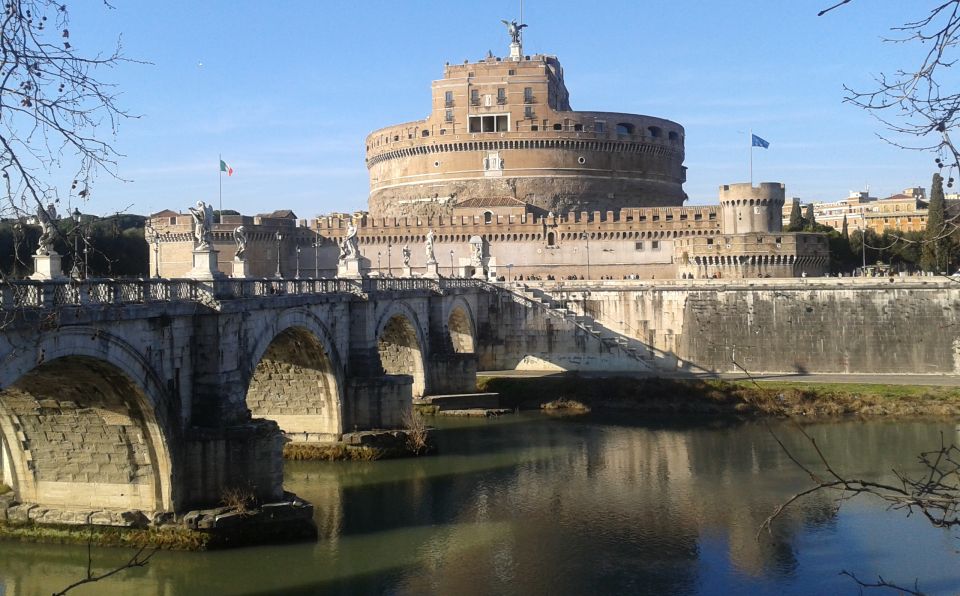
727 398
108 536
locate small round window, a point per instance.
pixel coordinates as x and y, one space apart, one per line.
581 160
436 164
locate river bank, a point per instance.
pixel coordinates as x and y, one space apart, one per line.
740 399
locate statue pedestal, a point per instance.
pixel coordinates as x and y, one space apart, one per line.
516 52
478 272
406 271
349 268
433 271
240 269
47 267
205 265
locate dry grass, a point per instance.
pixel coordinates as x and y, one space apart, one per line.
241 500
4 489
417 434
329 452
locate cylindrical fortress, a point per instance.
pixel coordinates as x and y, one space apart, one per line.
746 208
504 128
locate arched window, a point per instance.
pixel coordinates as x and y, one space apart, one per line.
424 133
655 131
624 128
673 135
487 217
551 239
558 126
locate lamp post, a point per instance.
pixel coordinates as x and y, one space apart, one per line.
156 255
75 270
86 252
297 276
389 266
379 270
316 258
586 236
863 240
279 238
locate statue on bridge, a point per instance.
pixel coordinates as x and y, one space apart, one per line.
202 225
240 237
348 247
45 243
406 255
431 258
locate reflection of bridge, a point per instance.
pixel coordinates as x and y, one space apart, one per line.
157 395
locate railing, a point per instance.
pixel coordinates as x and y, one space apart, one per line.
99 292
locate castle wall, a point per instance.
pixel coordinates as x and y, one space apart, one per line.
835 325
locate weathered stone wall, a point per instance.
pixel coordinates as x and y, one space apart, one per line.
836 325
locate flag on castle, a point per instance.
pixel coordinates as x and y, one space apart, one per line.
758 142
225 168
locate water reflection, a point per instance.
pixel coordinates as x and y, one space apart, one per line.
532 505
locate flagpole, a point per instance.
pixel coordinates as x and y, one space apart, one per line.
220 172
751 157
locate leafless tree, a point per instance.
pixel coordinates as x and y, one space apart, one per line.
916 101
139 559
935 494
57 118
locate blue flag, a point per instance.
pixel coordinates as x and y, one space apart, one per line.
758 142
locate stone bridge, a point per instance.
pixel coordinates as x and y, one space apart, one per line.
159 395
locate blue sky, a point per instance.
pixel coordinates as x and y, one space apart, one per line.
287 91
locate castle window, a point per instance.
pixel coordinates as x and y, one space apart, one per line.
759 239
600 126
683 217
534 127
474 97
487 217
397 137
669 216
511 72
528 95
528 113
443 131
697 216
577 127
709 241
673 136
712 216
656 218
551 239
448 99
449 116
655 131
558 126
624 128
424 133
498 123
655 244
501 95
638 245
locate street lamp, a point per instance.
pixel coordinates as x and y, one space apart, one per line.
586 236
156 254
279 238
389 266
297 276
379 271
75 270
316 257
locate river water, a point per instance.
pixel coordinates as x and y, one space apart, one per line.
534 504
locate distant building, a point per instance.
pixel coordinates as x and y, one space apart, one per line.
902 212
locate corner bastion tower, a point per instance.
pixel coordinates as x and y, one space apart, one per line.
503 127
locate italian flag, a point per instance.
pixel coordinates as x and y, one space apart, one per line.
225 168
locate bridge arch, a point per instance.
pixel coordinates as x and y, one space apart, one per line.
296 378
401 345
461 326
85 422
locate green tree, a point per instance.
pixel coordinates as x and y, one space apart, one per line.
936 239
796 220
809 221
845 232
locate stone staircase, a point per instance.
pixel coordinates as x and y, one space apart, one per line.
611 339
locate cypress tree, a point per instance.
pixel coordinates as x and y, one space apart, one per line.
809 220
936 242
796 221
845 232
